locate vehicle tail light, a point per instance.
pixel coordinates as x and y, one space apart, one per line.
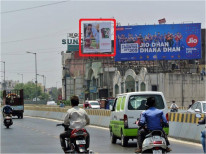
125 121
156 148
73 135
81 145
157 142
167 117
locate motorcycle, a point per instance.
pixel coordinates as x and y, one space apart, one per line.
8 121
174 110
76 143
154 142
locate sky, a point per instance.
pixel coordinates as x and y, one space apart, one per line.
39 27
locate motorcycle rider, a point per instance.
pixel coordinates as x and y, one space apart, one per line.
153 118
202 122
174 106
76 118
7 110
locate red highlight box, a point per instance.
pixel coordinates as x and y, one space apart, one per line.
97 55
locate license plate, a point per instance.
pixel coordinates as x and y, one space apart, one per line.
80 142
157 151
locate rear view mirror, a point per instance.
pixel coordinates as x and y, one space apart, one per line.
197 110
198 116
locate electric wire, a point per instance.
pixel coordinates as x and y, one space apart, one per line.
34 7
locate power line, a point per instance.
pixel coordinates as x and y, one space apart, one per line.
51 49
32 38
34 7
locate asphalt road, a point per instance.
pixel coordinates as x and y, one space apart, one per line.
36 135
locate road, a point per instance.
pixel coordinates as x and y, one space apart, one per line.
38 135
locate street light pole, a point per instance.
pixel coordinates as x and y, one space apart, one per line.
35 71
4 85
21 76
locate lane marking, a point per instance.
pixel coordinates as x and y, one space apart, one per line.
98 127
185 142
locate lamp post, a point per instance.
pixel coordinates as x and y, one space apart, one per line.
35 70
4 85
22 76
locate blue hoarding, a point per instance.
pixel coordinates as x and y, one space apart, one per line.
158 42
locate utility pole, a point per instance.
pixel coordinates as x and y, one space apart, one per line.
35 71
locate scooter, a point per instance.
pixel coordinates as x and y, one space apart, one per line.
77 141
154 142
8 121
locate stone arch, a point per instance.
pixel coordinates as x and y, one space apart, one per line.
142 86
90 74
130 84
117 79
131 73
116 89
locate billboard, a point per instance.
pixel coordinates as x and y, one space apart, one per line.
72 42
158 42
97 37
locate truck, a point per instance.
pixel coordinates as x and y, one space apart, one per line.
15 98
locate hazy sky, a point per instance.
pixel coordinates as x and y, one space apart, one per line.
41 29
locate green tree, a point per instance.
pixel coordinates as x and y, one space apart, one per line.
54 93
29 90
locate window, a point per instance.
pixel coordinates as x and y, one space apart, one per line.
123 103
199 106
194 106
154 87
122 87
118 104
138 102
204 107
143 86
137 86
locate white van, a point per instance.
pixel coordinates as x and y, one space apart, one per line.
126 109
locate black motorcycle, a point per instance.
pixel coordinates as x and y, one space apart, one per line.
77 141
174 110
8 121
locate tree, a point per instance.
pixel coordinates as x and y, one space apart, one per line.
29 90
54 93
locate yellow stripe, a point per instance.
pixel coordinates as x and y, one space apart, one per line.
180 117
172 116
193 118
188 118
184 120
176 116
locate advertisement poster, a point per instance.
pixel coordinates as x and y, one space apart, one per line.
158 42
97 37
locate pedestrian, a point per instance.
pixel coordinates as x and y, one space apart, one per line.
202 122
193 101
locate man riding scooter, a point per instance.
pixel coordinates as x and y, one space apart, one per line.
153 117
76 118
7 110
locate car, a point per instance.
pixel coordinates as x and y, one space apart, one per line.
126 109
51 103
198 107
92 104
